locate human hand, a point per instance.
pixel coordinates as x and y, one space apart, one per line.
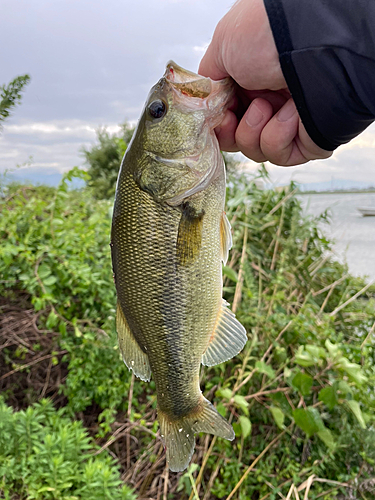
263 122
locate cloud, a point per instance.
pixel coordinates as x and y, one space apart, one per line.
40 129
52 144
92 64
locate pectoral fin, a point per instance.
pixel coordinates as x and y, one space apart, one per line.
226 238
228 339
189 237
133 356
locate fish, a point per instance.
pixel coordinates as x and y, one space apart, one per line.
169 238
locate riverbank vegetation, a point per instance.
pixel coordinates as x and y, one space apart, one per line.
74 422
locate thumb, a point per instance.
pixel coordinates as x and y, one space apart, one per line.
211 64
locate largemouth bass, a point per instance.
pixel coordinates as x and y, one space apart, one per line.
170 236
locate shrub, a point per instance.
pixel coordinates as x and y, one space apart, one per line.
104 160
44 455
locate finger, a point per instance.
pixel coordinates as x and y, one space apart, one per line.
249 130
280 141
233 103
226 131
308 147
277 99
277 141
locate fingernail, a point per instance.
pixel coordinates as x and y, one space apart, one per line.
287 111
254 115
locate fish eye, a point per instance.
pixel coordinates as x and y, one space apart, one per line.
157 109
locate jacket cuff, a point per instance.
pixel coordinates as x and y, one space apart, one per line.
281 34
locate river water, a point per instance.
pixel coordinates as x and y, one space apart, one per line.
354 234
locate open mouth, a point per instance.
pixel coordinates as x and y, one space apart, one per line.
187 82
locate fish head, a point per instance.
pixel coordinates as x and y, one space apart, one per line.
179 108
176 131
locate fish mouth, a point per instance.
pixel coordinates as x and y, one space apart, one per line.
175 73
194 91
187 82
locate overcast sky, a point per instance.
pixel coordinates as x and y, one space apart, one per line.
92 64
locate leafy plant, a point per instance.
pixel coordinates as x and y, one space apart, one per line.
11 95
104 160
44 455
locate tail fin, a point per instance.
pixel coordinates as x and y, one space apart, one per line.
178 435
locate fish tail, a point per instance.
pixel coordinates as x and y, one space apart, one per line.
178 435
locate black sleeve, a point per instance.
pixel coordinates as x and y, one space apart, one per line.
327 55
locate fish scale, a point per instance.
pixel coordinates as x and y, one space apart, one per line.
178 309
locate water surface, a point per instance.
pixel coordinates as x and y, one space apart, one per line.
354 234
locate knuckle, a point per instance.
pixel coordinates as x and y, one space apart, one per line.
250 149
274 153
325 154
254 154
311 151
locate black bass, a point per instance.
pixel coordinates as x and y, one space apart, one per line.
170 236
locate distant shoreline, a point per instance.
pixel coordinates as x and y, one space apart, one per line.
338 191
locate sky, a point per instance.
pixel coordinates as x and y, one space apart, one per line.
92 64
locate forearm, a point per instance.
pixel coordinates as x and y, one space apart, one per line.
327 54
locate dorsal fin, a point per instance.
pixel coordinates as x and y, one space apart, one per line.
133 356
228 339
225 237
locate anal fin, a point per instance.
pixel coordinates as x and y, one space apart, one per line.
228 339
133 356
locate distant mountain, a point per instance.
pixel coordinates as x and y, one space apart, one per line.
34 177
336 185
38 176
